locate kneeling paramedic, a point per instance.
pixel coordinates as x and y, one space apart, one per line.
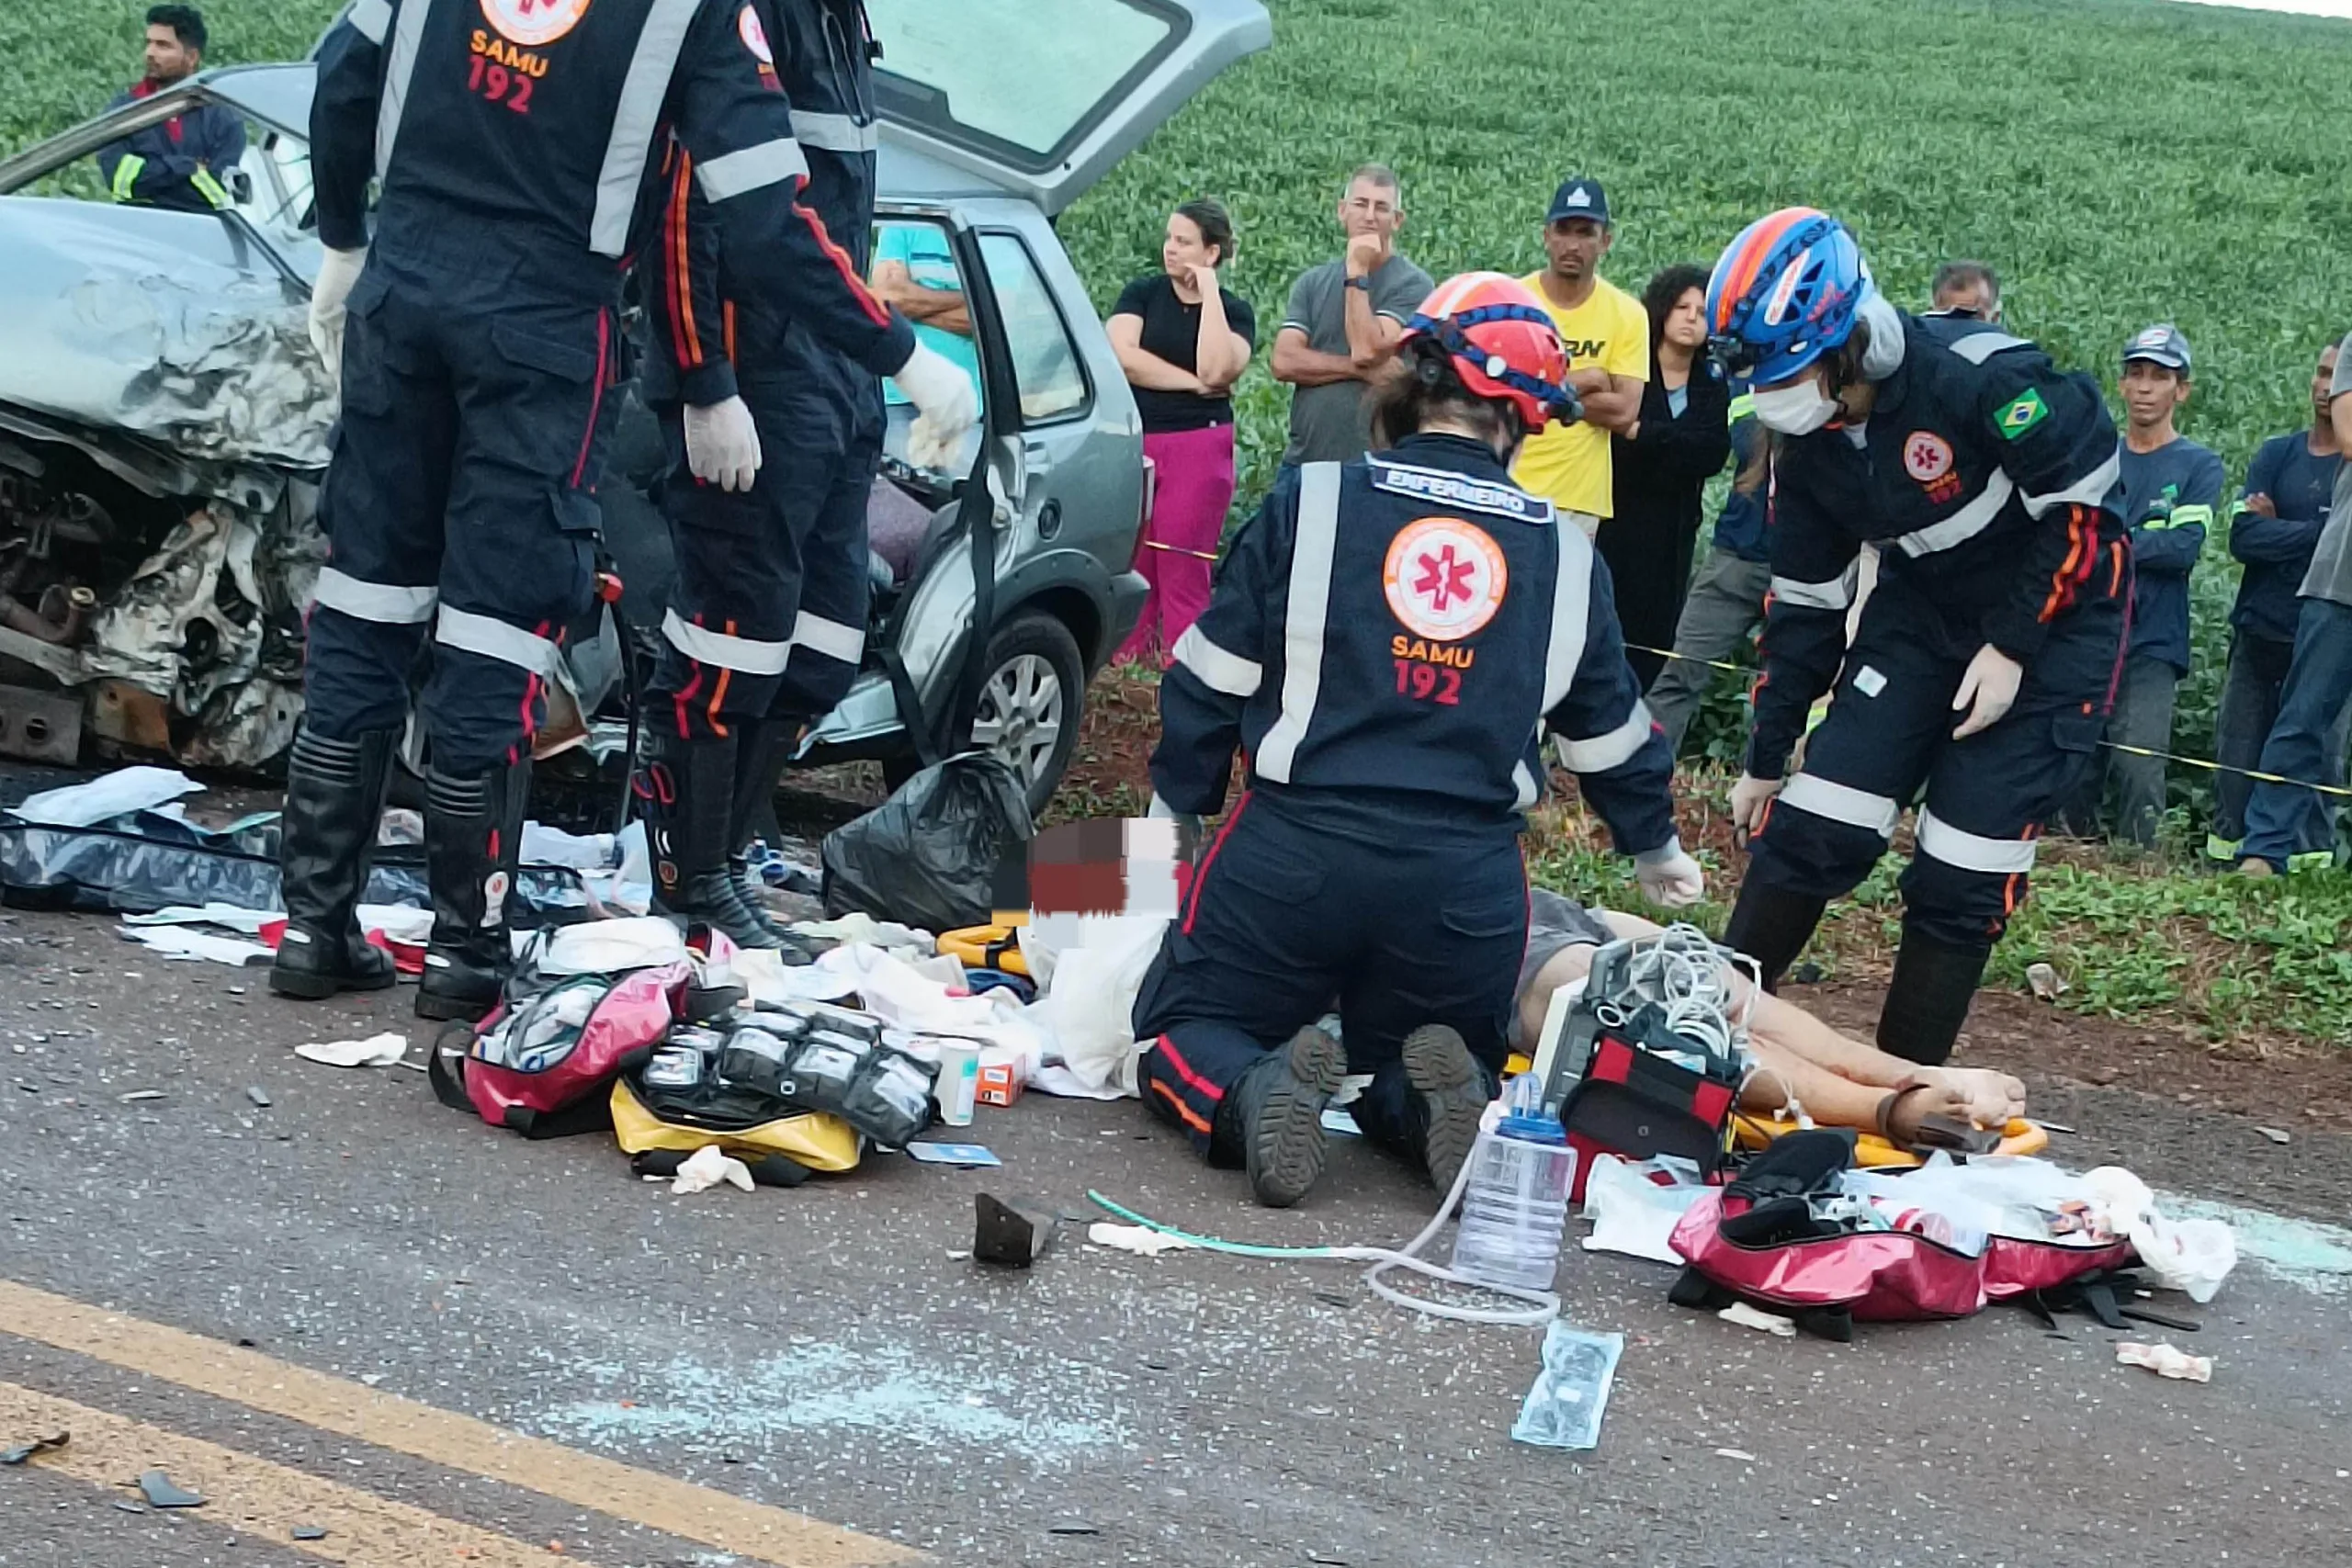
479 366
1386 643
766 625
1980 678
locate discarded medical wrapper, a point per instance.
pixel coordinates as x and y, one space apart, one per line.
1571 1393
2165 1361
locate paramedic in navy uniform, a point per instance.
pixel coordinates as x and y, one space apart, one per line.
1387 643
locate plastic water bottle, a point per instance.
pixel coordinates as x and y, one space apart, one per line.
1516 1204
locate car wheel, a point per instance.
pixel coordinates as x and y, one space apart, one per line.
1030 705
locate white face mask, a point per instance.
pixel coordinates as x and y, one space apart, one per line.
1798 409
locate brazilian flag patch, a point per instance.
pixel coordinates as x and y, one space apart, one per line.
2022 415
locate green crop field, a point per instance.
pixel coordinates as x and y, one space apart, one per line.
2120 162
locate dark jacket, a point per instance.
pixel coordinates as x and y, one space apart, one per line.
713 327
546 161
1659 478
1988 480
1739 526
1450 620
2277 551
182 163
2169 496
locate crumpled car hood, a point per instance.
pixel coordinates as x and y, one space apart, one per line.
174 327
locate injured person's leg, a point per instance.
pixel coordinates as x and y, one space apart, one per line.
1838 1081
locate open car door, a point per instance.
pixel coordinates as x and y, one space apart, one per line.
1043 96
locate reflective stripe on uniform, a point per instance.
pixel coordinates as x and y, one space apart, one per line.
1939 840
835 132
753 168
2183 517
371 17
1571 612
2311 860
1215 668
1309 614
832 638
1978 347
1835 594
2088 491
407 29
208 188
126 175
1523 778
388 603
635 117
1598 754
1842 803
1742 407
495 639
747 656
1965 524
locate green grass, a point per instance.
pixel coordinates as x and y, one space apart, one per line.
2118 161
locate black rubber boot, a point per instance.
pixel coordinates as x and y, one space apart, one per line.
1772 925
1454 1090
1276 1116
1928 1000
686 789
334 797
473 838
761 750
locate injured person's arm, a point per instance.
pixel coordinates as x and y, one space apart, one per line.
1837 1080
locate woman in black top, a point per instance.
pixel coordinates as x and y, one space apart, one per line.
1680 441
1184 341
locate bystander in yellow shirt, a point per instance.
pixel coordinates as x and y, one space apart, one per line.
1570 463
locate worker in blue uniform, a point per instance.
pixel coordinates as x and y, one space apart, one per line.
766 625
1985 665
1387 643
515 146
184 162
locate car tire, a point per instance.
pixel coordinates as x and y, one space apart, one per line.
1034 669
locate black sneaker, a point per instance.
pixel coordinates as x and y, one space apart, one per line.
1278 1109
1453 1091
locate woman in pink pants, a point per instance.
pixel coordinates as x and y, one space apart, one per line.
1184 341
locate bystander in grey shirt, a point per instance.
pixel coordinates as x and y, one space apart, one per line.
2331 573
1329 424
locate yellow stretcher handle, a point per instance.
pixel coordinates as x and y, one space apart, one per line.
986 947
1872 1152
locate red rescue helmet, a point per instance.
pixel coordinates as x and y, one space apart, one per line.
1503 343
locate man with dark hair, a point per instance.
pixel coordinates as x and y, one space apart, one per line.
1967 288
1343 321
183 162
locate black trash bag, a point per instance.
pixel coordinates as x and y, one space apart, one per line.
927 857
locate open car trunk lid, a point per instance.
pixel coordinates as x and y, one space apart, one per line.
1043 96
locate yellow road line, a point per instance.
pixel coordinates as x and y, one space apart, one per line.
680 1509
252 1496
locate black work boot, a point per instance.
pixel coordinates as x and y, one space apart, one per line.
473 838
334 795
686 789
1454 1090
1276 1115
1928 1000
1772 925
761 749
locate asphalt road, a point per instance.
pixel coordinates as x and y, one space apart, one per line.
827 1352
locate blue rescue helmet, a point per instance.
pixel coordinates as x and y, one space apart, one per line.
1785 293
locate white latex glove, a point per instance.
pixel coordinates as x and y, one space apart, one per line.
946 405
723 444
1986 690
338 270
1749 797
1670 878
1162 811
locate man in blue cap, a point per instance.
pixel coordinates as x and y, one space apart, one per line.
1607 334
2171 486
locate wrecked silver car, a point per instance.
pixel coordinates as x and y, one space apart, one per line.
163 422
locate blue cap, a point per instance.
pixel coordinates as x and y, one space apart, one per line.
1579 198
2160 344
